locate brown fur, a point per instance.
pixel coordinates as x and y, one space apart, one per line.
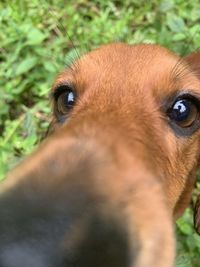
139 171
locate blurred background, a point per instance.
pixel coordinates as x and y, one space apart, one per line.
40 38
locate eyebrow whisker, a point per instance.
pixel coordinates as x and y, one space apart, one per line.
180 69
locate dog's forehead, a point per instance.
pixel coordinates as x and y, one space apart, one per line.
128 56
121 62
132 68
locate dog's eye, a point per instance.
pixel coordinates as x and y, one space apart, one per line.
184 115
65 101
184 112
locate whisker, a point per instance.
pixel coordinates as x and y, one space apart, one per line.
178 69
61 30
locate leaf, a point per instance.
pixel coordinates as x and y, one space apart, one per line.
166 5
176 24
29 143
25 65
179 37
29 124
35 37
184 227
49 66
183 261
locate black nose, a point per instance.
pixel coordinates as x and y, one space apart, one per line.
100 243
60 234
94 241
59 217
17 255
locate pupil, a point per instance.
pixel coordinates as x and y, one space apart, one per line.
181 110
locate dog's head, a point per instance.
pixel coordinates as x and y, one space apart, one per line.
104 188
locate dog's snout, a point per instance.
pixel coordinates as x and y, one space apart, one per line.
90 220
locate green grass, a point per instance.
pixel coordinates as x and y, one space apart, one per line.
39 38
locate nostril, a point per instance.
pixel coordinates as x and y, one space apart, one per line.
103 243
19 256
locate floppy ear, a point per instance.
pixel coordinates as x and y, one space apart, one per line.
193 61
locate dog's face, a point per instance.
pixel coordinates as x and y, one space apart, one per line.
104 188
150 97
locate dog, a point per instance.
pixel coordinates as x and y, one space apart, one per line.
118 168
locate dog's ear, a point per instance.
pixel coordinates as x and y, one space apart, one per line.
193 60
